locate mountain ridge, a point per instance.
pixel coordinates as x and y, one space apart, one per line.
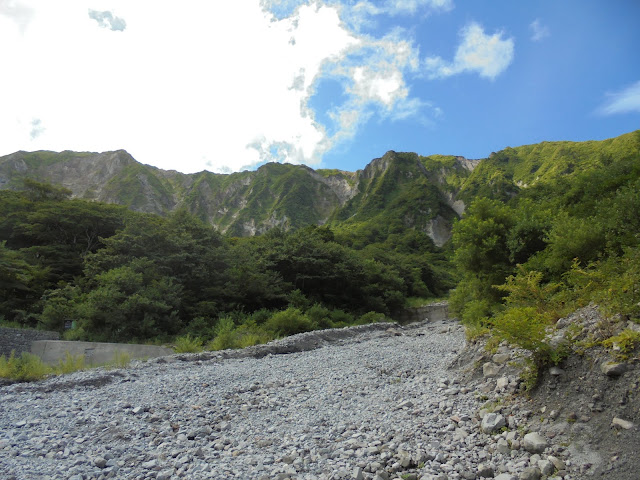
396 190
241 203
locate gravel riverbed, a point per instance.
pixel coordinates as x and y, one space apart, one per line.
380 404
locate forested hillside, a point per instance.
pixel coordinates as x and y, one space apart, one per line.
552 227
252 202
122 275
545 228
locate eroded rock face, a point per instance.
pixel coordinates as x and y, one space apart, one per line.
245 203
439 230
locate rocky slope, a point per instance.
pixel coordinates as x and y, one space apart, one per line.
404 190
252 202
374 402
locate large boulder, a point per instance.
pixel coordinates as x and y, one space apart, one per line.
534 442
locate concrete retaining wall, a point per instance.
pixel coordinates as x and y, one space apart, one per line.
19 339
94 353
434 313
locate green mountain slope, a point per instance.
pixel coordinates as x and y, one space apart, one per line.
506 172
413 190
394 192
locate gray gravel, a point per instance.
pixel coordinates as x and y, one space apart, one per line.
380 404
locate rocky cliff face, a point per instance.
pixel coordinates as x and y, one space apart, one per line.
252 202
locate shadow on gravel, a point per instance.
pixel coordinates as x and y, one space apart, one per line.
94 382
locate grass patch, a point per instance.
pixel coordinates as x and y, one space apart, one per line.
70 364
25 368
623 344
28 367
188 344
121 359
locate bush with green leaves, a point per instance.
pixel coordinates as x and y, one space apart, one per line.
372 317
27 367
225 335
188 344
289 322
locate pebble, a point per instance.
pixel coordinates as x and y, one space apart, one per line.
381 404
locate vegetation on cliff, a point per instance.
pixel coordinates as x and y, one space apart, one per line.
529 255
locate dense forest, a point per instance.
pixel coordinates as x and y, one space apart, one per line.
547 228
120 275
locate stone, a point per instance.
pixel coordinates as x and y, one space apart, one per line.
506 476
500 358
502 383
556 371
492 422
531 473
559 464
612 369
100 462
485 471
357 474
490 369
620 423
503 446
164 475
546 467
534 442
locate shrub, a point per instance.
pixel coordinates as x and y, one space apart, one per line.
71 363
289 322
188 344
526 327
372 317
27 367
340 318
623 343
320 316
225 335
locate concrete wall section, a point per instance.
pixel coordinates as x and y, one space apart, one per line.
20 339
433 313
94 353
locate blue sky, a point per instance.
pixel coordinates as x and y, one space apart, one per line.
227 86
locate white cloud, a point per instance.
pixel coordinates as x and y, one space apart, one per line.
193 85
538 30
377 86
488 55
401 7
412 6
17 12
106 19
624 101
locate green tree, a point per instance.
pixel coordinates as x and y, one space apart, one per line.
133 301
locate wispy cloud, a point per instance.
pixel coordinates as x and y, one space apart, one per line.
538 30
624 101
487 55
18 12
37 128
106 19
403 7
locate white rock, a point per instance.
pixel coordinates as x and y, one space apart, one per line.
534 442
490 369
492 422
620 423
